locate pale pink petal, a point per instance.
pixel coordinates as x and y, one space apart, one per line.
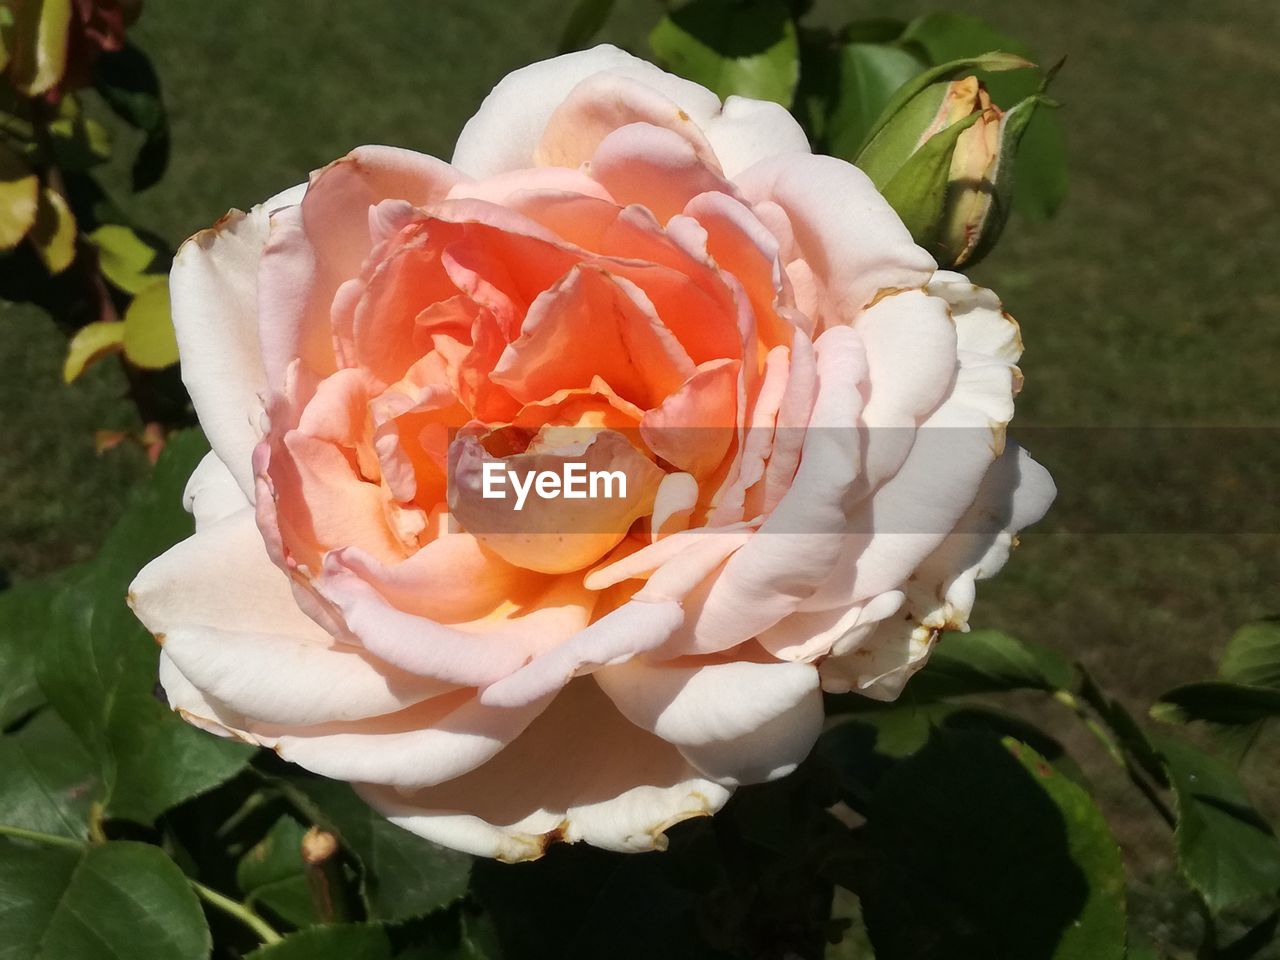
213 285
737 722
603 104
471 654
228 621
747 131
317 246
429 743
212 492
633 628
849 236
798 544
655 168
580 772
505 132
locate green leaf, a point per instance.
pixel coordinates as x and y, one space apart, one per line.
746 48
79 143
37 45
98 665
273 873
129 85
858 751
120 899
49 780
19 198
1252 656
129 261
24 623
1227 852
1001 854
988 661
868 76
1041 166
337 942
54 231
584 22
149 340
403 875
162 761
1233 704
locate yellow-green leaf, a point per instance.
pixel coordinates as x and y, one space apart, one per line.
125 258
149 340
79 142
54 232
90 344
19 197
38 53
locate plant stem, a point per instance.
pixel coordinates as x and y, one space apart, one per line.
1068 699
266 933
1117 754
37 837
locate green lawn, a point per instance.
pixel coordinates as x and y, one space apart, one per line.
1154 298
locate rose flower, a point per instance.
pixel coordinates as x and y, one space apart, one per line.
615 270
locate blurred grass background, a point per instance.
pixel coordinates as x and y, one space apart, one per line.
1152 299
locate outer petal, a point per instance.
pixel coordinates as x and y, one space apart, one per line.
228 621
505 132
423 745
747 131
1015 493
737 722
580 772
212 492
214 291
846 232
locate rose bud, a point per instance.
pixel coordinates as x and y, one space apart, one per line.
943 158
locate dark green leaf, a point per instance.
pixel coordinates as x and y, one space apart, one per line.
98 666
121 899
1041 168
25 619
272 873
1227 852
859 751
584 22
1217 702
868 76
979 849
49 780
987 661
129 84
403 875
337 942
162 761
742 47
